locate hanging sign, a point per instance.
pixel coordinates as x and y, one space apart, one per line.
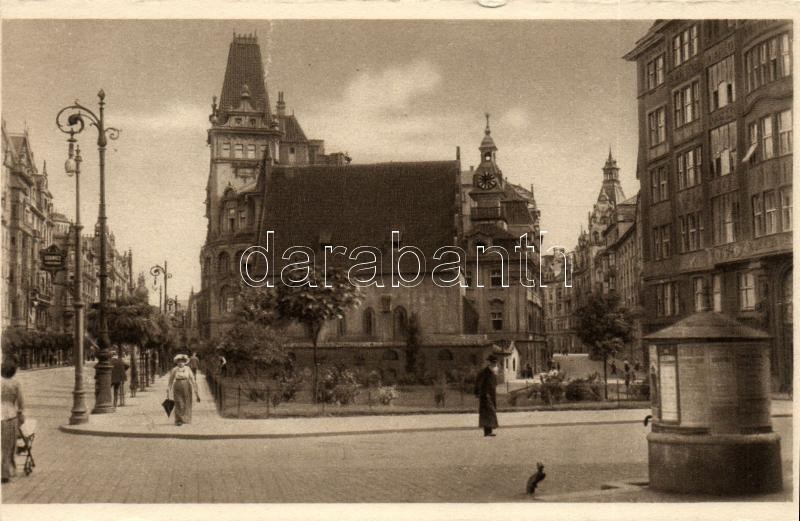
52 258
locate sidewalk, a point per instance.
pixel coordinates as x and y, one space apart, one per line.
637 491
143 417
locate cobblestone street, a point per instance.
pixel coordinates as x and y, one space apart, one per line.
446 466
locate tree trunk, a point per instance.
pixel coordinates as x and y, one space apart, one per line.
605 377
315 338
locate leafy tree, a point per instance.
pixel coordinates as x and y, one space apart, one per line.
326 297
605 327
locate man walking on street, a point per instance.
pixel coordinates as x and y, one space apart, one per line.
194 363
118 377
485 390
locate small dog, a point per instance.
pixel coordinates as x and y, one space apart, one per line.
534 480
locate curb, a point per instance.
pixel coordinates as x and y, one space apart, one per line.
245 436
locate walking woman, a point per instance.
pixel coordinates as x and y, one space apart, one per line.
182 386
13 416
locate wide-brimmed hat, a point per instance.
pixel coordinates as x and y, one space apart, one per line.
180 357
491 358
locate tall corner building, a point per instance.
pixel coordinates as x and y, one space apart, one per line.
244 133
715 166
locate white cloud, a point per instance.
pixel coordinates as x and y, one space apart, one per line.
179 116
379 116
515 118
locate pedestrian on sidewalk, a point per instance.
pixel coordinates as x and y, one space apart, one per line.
485 390
194 363
118 378
13 410
223 366
182 386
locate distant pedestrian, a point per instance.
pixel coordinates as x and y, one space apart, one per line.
637 367
626 366
627 379
194 363
182 386
528 371
485 390
613 367
13 408
118 378
223 366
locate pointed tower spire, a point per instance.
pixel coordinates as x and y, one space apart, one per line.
245 69
611 185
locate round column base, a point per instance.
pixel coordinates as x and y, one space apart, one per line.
715 464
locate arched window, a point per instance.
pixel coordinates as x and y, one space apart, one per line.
445 355
226 300
390 354
400 322
368 322
223 263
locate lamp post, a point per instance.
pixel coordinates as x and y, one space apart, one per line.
72 119
155 271
73 168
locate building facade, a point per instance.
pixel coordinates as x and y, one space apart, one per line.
27 228
715 167
605 260
34 299
244 131
265 176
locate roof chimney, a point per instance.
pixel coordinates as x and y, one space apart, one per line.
458 153
281 106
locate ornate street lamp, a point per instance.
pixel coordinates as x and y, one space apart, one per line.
72 120
155 271
73 168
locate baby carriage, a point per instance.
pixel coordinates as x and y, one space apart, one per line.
25 435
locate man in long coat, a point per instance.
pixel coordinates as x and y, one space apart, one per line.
485 390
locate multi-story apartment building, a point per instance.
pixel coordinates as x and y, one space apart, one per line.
605 260
715 166
27 228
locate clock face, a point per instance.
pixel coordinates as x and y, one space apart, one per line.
486 181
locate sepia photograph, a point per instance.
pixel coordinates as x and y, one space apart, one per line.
476 267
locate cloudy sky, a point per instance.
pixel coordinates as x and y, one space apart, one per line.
558 91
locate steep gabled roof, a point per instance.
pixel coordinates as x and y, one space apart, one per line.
359 205
244 68
292 132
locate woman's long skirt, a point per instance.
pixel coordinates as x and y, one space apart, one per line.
8 437
182 390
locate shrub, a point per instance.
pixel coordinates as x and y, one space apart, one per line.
337 385
580 389
372 379
552 388
407 379
387 394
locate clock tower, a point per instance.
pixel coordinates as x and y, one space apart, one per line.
488 184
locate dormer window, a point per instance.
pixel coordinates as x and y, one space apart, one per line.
252 122
487 156
226 150
251 151
238 122
238 151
